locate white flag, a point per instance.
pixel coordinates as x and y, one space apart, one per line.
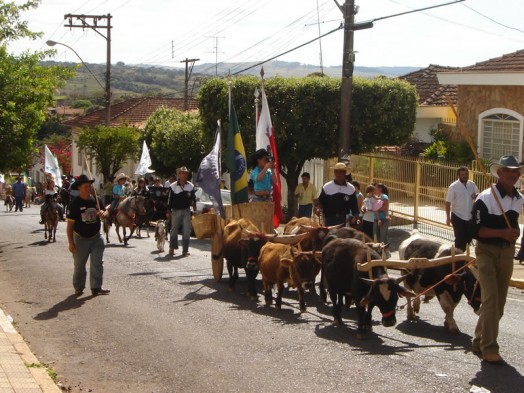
145 162
51 166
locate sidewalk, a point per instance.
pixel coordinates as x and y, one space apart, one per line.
20 370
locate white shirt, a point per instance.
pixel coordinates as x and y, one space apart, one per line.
459 195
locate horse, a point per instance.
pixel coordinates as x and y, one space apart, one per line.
125 217
9 202
29 196
149 205
50 214
64 198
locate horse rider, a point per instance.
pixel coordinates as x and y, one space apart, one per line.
141 188
119 192
49 194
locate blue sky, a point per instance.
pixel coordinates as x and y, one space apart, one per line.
149 31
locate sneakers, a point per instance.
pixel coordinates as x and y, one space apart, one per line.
78 292
100 291
171 252
186 254
494 358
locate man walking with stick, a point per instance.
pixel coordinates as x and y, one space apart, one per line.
496 228
83 233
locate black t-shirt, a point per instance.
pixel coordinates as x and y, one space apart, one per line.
84 214
181 197
338 199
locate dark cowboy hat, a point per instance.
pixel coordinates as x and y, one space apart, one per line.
83 179
257 156
506 162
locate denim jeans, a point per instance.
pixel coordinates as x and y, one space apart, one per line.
86 247
180 218
382 232
305 210
19 203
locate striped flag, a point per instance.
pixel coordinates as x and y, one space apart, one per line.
265 137
236 160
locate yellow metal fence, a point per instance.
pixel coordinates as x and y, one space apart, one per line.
417 188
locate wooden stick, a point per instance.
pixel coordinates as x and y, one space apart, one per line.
467 137
413 263
91 177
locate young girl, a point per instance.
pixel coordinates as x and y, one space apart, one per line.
370 207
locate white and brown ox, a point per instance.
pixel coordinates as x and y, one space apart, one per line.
282 263
341 277
448 292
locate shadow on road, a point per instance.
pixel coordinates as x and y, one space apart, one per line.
498 378
69 303
421 328
40 243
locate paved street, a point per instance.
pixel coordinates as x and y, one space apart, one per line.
168 327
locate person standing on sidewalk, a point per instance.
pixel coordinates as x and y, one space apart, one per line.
19 190
459 201
181 199
494 251
306 193
83 234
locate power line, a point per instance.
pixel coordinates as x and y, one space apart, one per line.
493 20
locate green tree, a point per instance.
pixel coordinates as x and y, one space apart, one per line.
110 147
26 90
175 139
305 113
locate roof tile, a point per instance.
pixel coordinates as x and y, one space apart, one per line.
430 92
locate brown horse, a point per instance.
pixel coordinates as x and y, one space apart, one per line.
9 202
124 217
50 221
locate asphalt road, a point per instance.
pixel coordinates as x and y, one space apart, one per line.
167 326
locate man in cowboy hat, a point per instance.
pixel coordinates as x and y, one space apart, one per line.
181 198
119 192
83 234
496 228
338 198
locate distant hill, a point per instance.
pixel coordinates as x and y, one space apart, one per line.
141 79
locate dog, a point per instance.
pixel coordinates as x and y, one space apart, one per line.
160 235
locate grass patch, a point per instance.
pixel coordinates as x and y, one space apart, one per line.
52 373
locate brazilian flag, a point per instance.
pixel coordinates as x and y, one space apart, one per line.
236 160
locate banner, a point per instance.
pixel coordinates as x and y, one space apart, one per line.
51 166
236 160
145 162
265 139
208 175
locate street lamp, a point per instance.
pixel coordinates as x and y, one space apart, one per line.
53 43
106 88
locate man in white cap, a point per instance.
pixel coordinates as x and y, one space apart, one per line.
338 198
181 198
496 228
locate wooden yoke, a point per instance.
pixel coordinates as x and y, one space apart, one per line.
413 263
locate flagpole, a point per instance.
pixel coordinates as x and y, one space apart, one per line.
229 91
91 177
256 94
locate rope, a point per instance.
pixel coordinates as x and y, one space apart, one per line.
438 283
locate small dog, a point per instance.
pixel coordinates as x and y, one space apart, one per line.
160 235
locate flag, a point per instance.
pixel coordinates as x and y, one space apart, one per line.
265 139
145 162
208 175
51 166
58 172
236 160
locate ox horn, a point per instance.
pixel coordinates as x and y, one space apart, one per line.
336 226
401 278
288 239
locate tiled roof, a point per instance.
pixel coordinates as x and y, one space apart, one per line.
133 112
511 62
430 92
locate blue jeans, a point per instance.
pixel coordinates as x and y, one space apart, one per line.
19 203
305 210
180 217
86 247
382 233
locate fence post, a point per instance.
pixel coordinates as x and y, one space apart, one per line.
371 168
416 203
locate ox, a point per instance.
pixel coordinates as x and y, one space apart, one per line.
449 291
280 264
341 277
242 242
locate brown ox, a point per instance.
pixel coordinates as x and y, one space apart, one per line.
280 264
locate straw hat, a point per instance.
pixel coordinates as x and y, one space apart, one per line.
182 169
120 177
340 166
506 162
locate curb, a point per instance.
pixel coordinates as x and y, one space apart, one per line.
40 375
516 283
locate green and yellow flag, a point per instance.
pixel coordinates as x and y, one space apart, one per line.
236 160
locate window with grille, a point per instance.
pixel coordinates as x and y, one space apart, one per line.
500 135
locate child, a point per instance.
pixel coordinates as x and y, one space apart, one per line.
370 207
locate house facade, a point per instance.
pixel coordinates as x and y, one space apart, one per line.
133 112
491 104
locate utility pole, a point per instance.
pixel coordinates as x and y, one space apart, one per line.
349 10
189 70
92 22
216 53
